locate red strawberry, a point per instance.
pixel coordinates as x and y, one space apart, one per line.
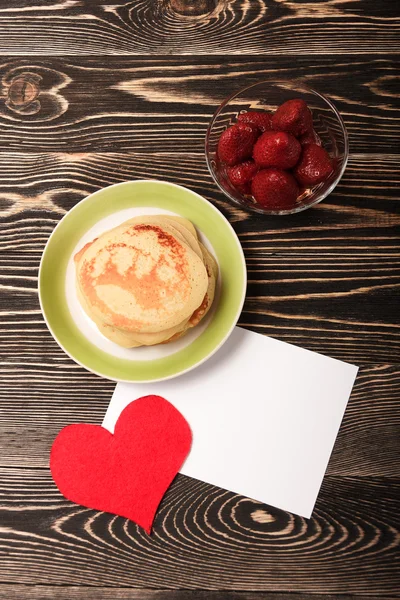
245 189
293 116
236 143
275 189
277 149
310 137
259 118
315 165
240 175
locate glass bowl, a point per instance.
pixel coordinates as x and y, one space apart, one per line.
268 95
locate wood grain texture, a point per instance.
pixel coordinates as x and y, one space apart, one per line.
326 279
204 538
31 592
368 443
44 27
165 104
91 93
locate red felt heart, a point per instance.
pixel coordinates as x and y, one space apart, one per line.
126 473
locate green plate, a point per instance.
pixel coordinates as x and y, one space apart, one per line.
75 332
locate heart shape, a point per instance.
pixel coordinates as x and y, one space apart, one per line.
126 473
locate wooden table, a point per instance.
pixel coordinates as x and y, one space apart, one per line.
97 92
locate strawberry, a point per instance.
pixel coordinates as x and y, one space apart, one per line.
240 175
236 143
293 116
315 165
310 137
275 189
245 189
259 118
277 149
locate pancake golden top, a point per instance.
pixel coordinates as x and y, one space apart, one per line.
141 277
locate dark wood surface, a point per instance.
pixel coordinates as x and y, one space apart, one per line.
160 104
142 27
92 93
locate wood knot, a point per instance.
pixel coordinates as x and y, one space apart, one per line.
262 516
33 92
23 91
193 8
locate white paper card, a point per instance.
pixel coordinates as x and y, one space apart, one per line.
264 416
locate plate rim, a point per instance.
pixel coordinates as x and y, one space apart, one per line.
234 321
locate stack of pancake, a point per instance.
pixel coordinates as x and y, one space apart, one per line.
147 281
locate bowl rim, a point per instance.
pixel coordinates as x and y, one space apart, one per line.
297 209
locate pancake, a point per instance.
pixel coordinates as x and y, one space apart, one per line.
134 340
212 273
185 222
125 337
130 340
202 310
181 228
142 277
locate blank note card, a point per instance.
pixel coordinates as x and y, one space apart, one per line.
264 416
